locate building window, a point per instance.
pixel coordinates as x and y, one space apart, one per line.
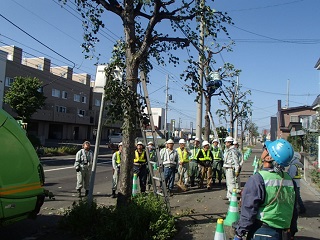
39 67
97 102
76 98
9 81
64 95
84 99
40 89
61 109
81 112
55 93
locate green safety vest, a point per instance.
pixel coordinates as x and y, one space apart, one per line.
206 156
139 159
277 209
118 155
216 154
183 155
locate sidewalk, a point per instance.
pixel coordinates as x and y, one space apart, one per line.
200 209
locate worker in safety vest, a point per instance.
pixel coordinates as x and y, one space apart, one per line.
140 166
217 161
268 209
193 164
82 164
205 159
295 171
116 159
183 154
153 158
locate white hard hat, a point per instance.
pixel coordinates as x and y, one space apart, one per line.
182 141
215 140
228 139
197 139
235 142
170 141
140 143
205 143
120 144
150 143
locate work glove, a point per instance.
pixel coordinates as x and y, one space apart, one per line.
237 174
236 237
78 169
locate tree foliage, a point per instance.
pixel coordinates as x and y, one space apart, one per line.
142 42
236 103
24 96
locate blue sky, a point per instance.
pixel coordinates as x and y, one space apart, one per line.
276 47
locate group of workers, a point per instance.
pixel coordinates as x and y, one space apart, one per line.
193 165
270 199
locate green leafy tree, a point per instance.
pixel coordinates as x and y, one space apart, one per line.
142 41
24 97
310 139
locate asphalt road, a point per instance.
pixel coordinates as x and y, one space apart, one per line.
61 181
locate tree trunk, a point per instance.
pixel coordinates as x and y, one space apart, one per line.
130 115
206 118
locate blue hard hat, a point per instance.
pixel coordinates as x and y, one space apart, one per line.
281 151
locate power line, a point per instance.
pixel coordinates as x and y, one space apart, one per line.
37 40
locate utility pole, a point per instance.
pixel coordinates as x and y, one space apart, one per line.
237 110
200 71
166 108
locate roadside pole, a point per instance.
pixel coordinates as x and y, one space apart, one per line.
99 87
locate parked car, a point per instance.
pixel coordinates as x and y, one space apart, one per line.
115 138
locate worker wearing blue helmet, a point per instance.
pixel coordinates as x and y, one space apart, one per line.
268 209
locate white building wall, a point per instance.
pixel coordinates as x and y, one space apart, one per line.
157 115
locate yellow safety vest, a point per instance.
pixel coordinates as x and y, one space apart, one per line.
298 172
183 155
206 156
118 155
139 158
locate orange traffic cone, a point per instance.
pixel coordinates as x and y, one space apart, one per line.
220 233
135 185
233 211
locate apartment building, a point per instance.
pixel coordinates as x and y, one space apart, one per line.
72 107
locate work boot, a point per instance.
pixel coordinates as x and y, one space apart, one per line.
220 183
113 195
79 193
192 181
86 193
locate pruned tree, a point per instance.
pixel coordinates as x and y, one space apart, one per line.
253 132
236 104
24 97
213 82
142 41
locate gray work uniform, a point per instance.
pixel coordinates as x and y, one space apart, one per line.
83 160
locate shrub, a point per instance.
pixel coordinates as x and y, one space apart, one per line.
64 150
315 176
144 218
